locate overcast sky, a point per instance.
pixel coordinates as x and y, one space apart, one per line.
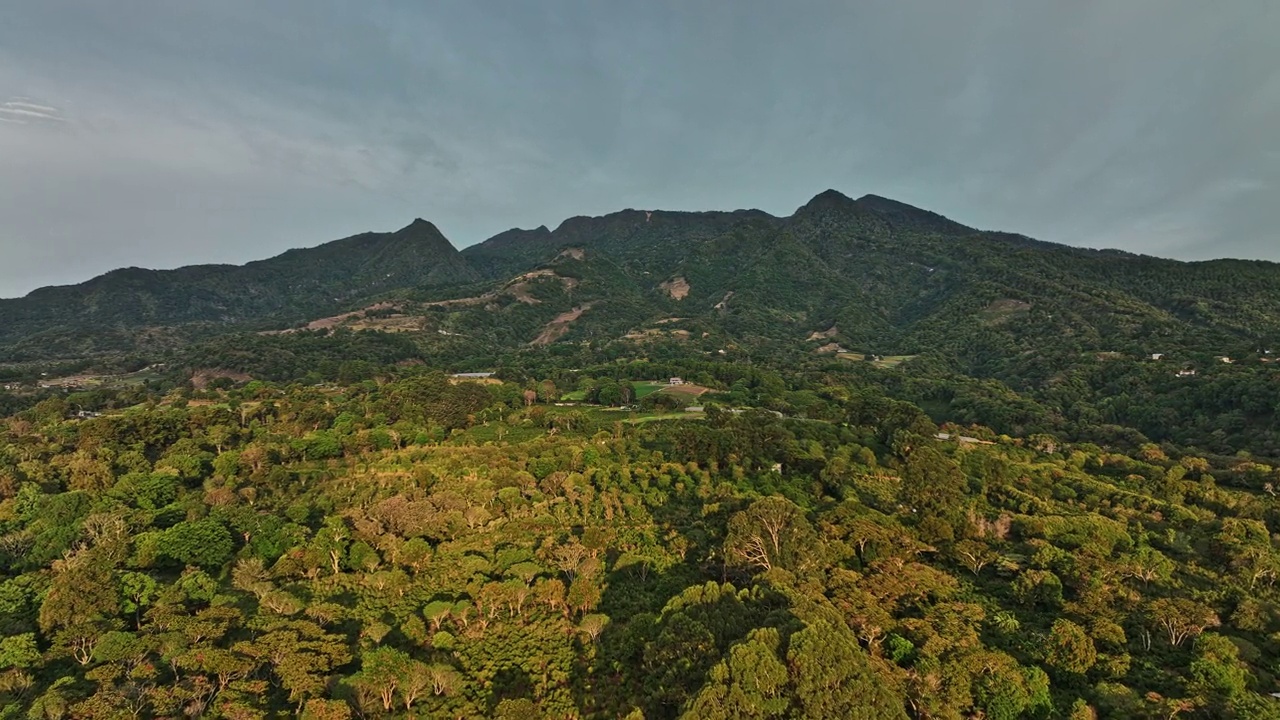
159 133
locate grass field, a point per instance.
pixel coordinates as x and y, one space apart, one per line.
689 391
889 361
644 389
885 361
653 417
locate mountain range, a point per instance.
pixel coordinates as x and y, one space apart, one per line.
870 275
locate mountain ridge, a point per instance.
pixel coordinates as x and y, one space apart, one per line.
877 203
892 275
293 284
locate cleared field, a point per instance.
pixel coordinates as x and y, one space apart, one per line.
885 361
480 380
889 361
687 390
1003 310
648 388
644 389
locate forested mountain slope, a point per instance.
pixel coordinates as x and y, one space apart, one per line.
1021 335
111 311
892 278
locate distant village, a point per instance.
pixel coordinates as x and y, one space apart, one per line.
43 382
1188 369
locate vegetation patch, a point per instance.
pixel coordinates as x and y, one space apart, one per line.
557 328
521 287
201 379
1003 310
645 389
879 361
676 288
687 389
824 334
891 361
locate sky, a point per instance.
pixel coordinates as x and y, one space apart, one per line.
156 133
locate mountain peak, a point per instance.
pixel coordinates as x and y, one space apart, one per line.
900 213
881 203
831 195
882 209
829 199
424 232
419 227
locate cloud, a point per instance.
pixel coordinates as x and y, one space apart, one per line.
22 104
21 111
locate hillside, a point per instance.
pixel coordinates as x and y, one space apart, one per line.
903 280
991 327
110 312
892 278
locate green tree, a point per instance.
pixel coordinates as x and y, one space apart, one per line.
19 651
299 654
81 605
772 532
833 677
206 543
750 683
383 671
1217 676
934 489
1069 648
138 591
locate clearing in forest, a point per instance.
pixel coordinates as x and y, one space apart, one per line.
556 329
825 334
1002 310
688 390
646 388
884 361
677 287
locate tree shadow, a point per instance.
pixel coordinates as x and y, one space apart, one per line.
655 661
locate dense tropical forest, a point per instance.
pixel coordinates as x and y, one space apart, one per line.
413 545
859 462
